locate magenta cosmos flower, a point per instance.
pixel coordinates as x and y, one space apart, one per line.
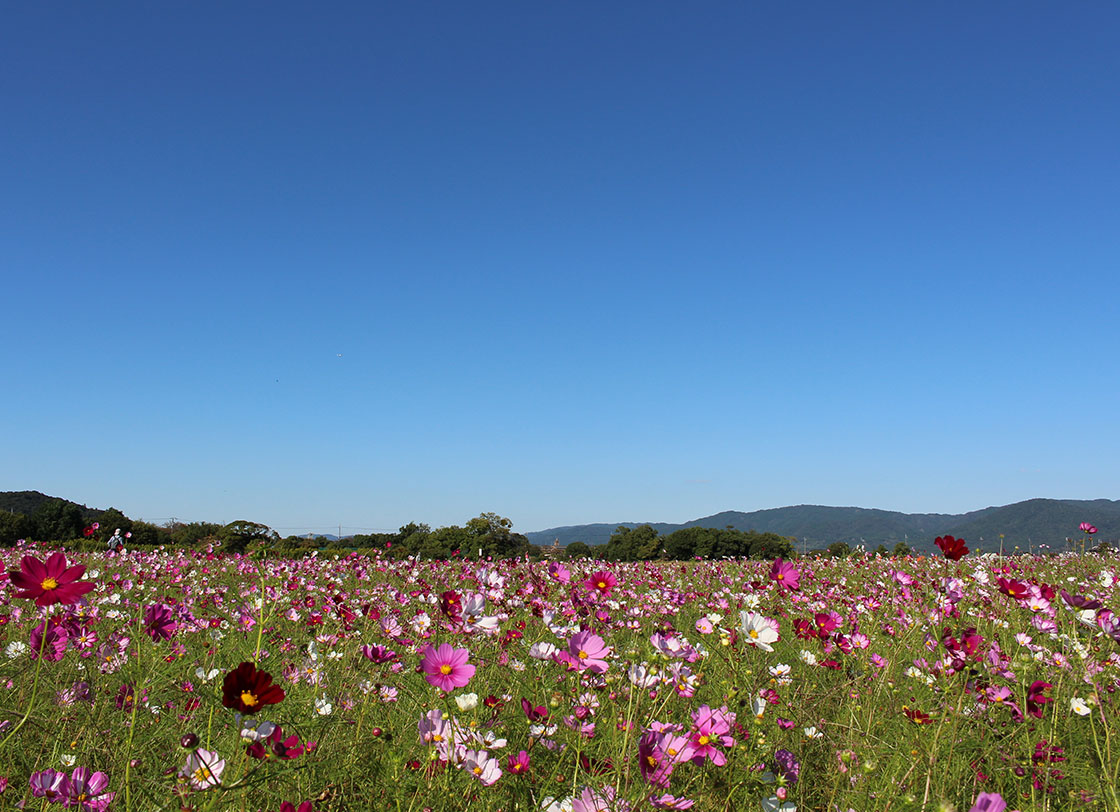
785 574
446 667
50 581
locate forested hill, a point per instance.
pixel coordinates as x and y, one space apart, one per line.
27 502
1023 524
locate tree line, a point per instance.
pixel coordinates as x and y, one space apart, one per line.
488 535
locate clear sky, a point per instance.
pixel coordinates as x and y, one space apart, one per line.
363 264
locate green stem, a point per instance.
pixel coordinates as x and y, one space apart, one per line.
34 687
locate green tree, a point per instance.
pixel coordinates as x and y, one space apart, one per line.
146 534
633 544
901 549
57 520
839 549
13 527
769 546
577 549
191 533
112 519
238 535
494 536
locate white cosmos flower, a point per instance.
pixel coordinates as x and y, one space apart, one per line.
759 631
773 804
642 676
68 760
323 707
813 733
542 651
261 731
206 676
1078 706
15 649
467 702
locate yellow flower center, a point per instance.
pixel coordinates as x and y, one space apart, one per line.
203 774
445 669
583 655
249 699
703 740
477 771
672 751
754 633
436 737
781 577
651 761
49 583
601 584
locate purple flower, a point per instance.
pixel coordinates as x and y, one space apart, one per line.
159 622
989 802
53 643
50 785
786 766
87 792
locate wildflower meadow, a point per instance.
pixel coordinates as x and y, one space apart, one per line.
193 680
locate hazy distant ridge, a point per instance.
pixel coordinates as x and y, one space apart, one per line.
1032 522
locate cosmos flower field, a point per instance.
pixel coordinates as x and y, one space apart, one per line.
169 680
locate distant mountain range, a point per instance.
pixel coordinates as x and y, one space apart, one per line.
1023 524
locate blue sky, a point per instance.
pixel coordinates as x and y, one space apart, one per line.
577 262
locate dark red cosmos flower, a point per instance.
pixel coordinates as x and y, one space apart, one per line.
1079 601
451 604
1012 588
49 582
535 714
951 548
1035 698
247 690
917 717
276 746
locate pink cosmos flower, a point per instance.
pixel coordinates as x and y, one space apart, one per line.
479 764
558 572
87 792
203 769
989 802
670 802
660 753
446 667
586 652
595 800
785 574
709 728
601 582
